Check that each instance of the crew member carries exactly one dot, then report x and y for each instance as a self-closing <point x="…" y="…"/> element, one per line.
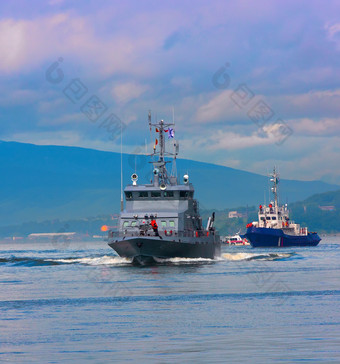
<point x="154" y="227"/>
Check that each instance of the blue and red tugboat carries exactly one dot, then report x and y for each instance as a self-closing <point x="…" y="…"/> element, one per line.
<point x="274" y="228"/>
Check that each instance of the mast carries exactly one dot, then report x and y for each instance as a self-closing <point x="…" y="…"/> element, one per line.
<point x="160" y="172"/>
<point x="121" y="168"/>
<point x="161" y="141"/>
<point x="275" y="180"/>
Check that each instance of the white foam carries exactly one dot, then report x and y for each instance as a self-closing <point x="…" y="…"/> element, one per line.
<point x="237" y="256"/>
<point x="104" y="260"/>
<point x="179" y="260"/>
<point x="258" y="256"/>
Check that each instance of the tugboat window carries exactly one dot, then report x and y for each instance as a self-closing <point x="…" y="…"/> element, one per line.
<point x="155" y="194"/>
<point x="268" y="217"/>
<point x="168" y="193"/>
<point x="274" y="218"/>
<point x="134" y="223"/>
<point x="163" y="223"/>
<point x="172" y="223"/>
<point x="183" y="194"/>
<point x="143" y="194"/>
<point x="128" y="195"/>
<point x="126" y="223"/>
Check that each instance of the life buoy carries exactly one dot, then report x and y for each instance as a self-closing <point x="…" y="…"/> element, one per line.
<point x="168" y="233"/>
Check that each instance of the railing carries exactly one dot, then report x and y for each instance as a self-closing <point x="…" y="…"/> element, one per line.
<point x="165" y="233"/>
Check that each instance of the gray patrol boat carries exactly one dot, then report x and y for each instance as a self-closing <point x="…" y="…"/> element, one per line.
<point x="161" y="219"/>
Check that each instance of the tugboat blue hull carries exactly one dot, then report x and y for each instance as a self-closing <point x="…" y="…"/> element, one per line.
<point x="144" y="249"/>
<point x="266" y="237"/>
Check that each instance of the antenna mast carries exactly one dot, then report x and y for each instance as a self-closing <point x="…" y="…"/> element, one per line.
<point x="160" y="170"/>
<point x="121" y="168"/>
<point x="275" y="179"/>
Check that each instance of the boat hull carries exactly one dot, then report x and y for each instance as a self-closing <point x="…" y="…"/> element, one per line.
<point x="145" y="249"/>
<point x="265" y="237"/>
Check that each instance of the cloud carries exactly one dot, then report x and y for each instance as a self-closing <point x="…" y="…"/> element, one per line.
<point x="70" y="119"/>
<point x="333" y="33"/>
<point x="10" y="97"/>
<point x="56" y="2"/>
<point x="137" y="56"/>
<point x="218" y="140"/>
<point x="73" y="37"/>
<point x="319" y="128"/>
<point x="128" y="91"/>
<point x="321" y="159"/>
<point x="16" y="38"/>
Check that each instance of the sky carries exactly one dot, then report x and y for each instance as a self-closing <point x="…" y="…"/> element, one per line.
<point x="252" y="83"/>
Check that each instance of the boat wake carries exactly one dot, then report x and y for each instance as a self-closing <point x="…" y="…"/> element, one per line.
<point x="256" y="256"/>
<point x="109" y="260"/>
<point x="180" y="261"/>
<point x="35" y="261"/>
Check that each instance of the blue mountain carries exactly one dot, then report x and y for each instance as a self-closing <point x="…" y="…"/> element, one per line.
<point x="48" y="182"/>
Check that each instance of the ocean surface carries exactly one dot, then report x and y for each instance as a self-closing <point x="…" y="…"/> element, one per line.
<point x="76" y="302"/>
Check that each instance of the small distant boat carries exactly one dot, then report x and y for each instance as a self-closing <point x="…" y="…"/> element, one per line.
<point x="274" y="228"/>
<point x="235" y="240"/>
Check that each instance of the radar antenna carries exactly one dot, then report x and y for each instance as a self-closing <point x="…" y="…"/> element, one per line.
<point x="160" y="170"/>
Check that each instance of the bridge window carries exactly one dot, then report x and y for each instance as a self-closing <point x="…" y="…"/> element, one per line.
<point x="163" y="223"/>
<point x="268" y="217"/>
<point x="172" y="223"/>
<point x="155" y="194"/>
<point x="133" y="223"/>
<point x="183" y="194"/>
<point x="125" y="224"/>
<point x="274" y="218"/>
<point x="128" y="195"/>
<point x="168" y="193"/>
<point x="143" y="194"/>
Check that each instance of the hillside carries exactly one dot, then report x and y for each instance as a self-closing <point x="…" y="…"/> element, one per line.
<point x="49" y="182"/>
<point x="309" y="213"/>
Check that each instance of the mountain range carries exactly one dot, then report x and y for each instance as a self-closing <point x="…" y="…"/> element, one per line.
<point x="48" y="182"/>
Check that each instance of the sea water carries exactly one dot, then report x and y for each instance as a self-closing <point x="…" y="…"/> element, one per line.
<point x="77" y="302"/>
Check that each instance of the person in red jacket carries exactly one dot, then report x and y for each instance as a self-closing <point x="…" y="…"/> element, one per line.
<point x="154" y="227"/>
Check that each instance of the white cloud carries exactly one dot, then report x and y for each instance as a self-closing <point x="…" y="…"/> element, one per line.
<point x="318" y="128"/>
<point x="220" y="107"/>
<point x="314" y="158"/>
<point x="64" y="119"/>
<point x="218" y="140"/>
<point x="333" y="33"/>
<point x="30" y="43"/>
<point x="314" y="104"/>
<point x="128" y="91"/>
